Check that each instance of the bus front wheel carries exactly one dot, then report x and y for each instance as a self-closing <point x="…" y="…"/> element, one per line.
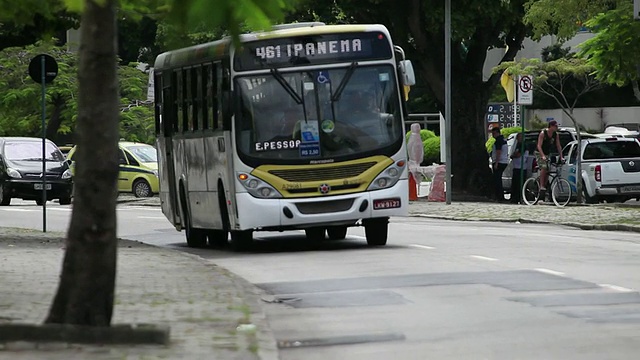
<point x="241" y="240"/>
<point x="337" y="232"/>
<point x="375" y="230"/>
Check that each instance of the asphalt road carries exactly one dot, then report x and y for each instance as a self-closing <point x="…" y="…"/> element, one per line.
<point x="439" y="290"/>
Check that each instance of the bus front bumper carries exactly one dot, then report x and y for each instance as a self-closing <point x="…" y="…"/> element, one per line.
<point x="298" y="213"/>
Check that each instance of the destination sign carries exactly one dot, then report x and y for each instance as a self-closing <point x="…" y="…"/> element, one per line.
<point x="311" y="50"/>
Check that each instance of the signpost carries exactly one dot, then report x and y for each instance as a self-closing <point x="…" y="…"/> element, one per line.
<point x="43" y="69"/>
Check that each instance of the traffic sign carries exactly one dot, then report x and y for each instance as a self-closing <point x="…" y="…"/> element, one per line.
<point x="525" y="90"/>
<point x="50" y="68"/>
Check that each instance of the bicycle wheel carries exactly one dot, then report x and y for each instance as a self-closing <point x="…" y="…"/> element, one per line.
<point x="561" y="192"/>
<point x="531" y="191"/>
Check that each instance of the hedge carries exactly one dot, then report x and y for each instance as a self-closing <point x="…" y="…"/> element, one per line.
<point x="505" y="132"/>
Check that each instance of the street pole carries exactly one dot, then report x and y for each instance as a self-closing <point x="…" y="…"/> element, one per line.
<point x="44" y="155"/>
<point x="447" y="98"/>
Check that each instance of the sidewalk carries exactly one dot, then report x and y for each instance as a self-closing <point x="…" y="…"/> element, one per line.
<point x="619" y="217"/>
<point x="204" y="305"/>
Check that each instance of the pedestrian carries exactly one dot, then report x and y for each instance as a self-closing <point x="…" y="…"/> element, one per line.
<point x="500" y="160"/>
<point x="519" y="162"/>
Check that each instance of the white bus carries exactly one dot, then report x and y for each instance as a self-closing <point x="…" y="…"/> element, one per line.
<point x="299" y="128"/>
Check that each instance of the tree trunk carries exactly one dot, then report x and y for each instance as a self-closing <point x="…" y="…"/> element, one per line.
<point x="86" y="291"/>
<point x="470" y="161"/>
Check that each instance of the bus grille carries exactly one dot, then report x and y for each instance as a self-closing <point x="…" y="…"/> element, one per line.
<point x="323" y="173"/>
<point x="323" y="207"/>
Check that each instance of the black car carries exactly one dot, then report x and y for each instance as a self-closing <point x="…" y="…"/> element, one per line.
<point x="21" y="171"/>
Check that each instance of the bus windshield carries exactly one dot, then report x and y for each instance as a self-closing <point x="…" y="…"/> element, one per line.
<point x="307" y="116"/>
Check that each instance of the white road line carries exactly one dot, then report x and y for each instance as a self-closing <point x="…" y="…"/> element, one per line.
<point x="616" y="288"/>
<point x="357" y="237"/>
<point x="151" y="217"/>
<point x="483" y="258"/>
<point x="422" y="246"/>
<point x="58" y="209"/>
<point x="549" y="271"/>
<point x="19" y="210"/>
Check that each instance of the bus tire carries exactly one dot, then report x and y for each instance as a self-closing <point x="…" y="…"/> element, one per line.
<point x="337" y="232"/>
<point x="218" y="238"/>
<point x="5" y="198"/>
<point x="241" y="240"/>
<point x="376" y="230"/>
<point x="196" y="238"/>
<point x="315" y="233"/>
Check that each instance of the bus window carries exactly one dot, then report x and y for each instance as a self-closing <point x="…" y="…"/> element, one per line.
<point x="216" y="119"/>
<point x="205" y="76"/>
<point x="196" y="95"/>
<point x="157" y="94"/>
<point x="179" y="102"/>
<point x="225" y="96"/>
<point x="188" y="105"/>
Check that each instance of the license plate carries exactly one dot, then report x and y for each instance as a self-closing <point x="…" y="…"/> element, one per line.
<point x="628" y="189"/>
<point x="39" y="186"/>
<point x="381" y="204"/>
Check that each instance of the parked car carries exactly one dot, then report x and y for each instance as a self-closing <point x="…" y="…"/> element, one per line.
<point x="138" y="169"/>
<point x="610" y="168"/>
<point x="530" y="142"/>
<point x="21" y="171"/>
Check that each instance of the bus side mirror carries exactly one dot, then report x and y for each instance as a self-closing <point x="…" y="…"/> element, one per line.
<point x="406" y="72"/>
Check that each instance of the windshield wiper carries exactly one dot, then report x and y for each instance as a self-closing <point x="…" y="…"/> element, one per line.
<point x="347" y="76"/>
<point x="291" y="91"/>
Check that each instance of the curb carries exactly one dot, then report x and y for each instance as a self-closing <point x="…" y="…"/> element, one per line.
<point x="114" y="334"/>
<point x="602" y="227"/>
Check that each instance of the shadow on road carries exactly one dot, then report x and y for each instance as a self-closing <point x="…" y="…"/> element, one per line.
<point x="281" y="243"/>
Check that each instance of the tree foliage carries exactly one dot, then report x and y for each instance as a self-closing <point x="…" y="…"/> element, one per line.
<point x="20" y="96"/>
<point x="562" y="18"/>
<point x="614" y="50"/>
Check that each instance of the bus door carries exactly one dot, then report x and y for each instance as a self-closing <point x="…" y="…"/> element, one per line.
<point x="166" y="169"/>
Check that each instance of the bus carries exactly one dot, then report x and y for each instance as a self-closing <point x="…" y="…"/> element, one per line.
<point x="297" y="128"/>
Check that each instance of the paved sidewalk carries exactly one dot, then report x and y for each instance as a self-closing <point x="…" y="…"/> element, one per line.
<point x="212" y="314"/>
<point x="588" y="217"/>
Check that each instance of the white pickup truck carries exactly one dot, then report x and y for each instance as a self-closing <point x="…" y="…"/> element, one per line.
<point x="610" y="168"/>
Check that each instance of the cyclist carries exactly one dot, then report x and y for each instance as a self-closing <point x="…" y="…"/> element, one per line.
<point x="547" y="140"/>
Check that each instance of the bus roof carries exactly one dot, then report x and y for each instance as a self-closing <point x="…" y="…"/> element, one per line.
<point x="221" y="48"/>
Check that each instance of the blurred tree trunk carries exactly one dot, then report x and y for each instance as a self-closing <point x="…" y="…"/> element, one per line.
<point x="86" y="291"/>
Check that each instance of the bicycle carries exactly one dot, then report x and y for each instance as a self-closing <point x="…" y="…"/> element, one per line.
<point x="560" y="187"/>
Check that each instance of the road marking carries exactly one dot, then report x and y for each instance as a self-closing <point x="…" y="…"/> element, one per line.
<point x="151" y="217"/>
<point x="59" y="209"/>
<point x="357" y="237"/>
<point x="19" y="210"/>
<point x="616" y="288"/>
<point x="549" y="271"/>
<point x="422" y="246"/>
<point x="483" y="258"/>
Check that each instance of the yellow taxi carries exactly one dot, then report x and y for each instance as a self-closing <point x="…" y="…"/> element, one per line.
<point x="138" y="168"/>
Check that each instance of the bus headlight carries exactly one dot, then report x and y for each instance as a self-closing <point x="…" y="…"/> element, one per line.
<point x="388" y="177"/>
<point x="66" y="174"/>
<point x="257" y="187"/>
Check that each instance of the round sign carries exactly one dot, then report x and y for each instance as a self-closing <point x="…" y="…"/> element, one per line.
<point x="50" y="68"/>
<point x="525" y="84"/>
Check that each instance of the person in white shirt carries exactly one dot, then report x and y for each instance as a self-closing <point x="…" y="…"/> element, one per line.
<point x="500" y="160"/>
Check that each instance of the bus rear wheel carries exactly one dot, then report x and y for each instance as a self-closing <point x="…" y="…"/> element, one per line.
<point x="196" y="238"/>
<point x="241" y="240"/>
<point x="218" y="238"/>
<point x="375" y="230"/>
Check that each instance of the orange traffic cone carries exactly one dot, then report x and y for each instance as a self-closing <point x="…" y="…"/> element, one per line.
<point x="413" y="188"/>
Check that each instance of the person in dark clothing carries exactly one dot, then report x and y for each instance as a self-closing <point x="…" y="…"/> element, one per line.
<point x="500" y="160"/>
<point x="548" y="140"/>
<point x="520" y="166"/>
